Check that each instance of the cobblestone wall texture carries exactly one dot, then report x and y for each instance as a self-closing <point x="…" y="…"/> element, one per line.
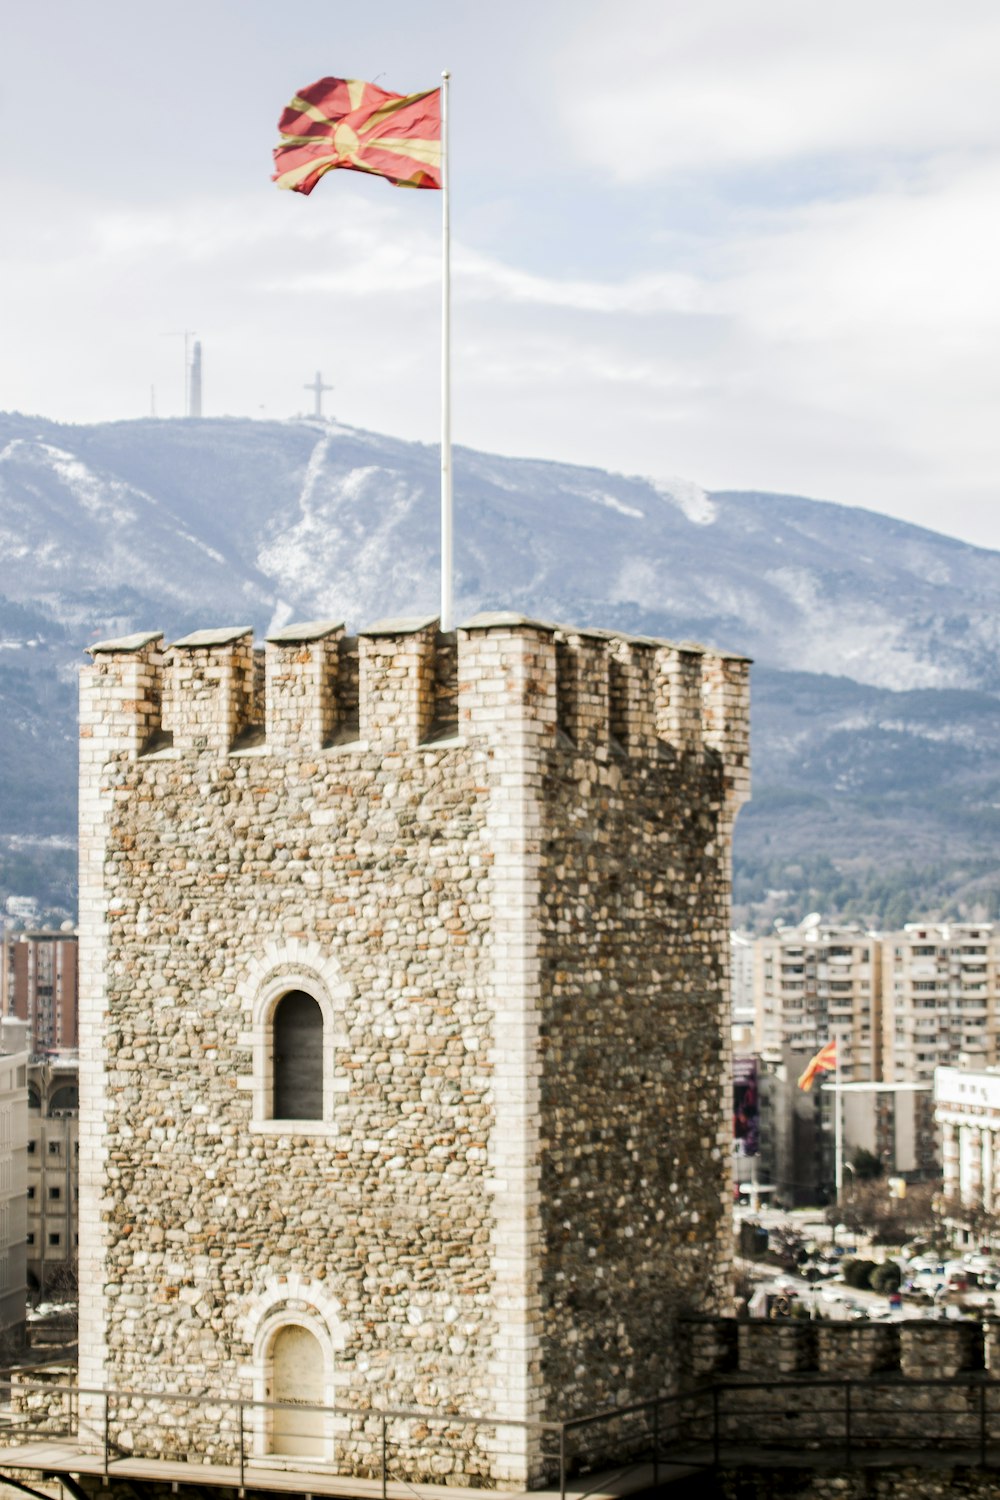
<point x="783" y="1385"/>
<point x="749" y="1482"/>
<point x="499" y="861"/>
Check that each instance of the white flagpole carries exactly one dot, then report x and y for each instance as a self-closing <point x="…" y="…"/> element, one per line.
<point x="446" y="507"/>
<point x="838" y="1128"/>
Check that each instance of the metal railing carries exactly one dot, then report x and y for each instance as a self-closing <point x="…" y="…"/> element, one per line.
<point x="843" y="1419"/>
<point x="825" y="1420"/>
<point x="203" y="1428"/>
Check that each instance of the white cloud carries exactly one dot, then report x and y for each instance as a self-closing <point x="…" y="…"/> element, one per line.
<point x="728" y="83"/>
<point x="824" y="329"/>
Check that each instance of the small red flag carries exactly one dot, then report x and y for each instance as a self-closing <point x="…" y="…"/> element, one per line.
<point x="824" y="1062"/>
<point x="341" y="122"/>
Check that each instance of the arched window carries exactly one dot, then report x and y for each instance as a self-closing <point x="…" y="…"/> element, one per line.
<point x="66" y="1097"/>
<point x="298" y="1058"/>
<point x="296" y="999"/>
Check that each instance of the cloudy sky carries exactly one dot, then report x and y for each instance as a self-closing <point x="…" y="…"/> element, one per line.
<point x="749" y="242"/>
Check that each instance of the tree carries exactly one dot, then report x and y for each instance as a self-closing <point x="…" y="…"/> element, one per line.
<point x="890" y="1221"/>
<point x="866" y="1165"/>
<point x="886" y="1278"/>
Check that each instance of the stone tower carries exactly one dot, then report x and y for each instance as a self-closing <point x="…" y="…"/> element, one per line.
<point x="403" y="1028"/>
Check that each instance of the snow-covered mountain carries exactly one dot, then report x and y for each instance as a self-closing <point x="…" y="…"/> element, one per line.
<point x="179" y="524"/>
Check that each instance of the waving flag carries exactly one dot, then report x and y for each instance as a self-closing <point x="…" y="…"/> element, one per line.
<point x="341" y="122"/>
<point x="824" y="1062"/>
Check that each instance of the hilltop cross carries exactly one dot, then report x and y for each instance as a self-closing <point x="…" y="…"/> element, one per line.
<point x="317" y="387"/>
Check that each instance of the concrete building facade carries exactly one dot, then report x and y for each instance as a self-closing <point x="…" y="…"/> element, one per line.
<point x="816" y="981"/>
<point x="38" y="984"/>
<point x="941" y="983"/>
<point x="967" y="1111"/>
<point x="405" y="1025"/>
<point x="53" y="1174"/>
<point x="13" y="1183"/>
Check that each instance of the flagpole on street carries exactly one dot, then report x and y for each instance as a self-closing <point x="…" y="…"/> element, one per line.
<point x="446" y="506"/>
<point x="838" y="1129"/>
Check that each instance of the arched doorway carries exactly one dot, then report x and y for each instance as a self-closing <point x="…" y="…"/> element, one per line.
<point x="297" y="1377"/>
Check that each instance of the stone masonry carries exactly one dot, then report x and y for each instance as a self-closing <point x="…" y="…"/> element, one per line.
<point x="499" y="862"/>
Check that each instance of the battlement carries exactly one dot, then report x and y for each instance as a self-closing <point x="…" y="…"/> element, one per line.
<point x="757" y="1349"/>
<point x="400" y="684"/>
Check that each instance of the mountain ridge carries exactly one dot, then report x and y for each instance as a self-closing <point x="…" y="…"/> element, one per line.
<point x="178" y="524"/>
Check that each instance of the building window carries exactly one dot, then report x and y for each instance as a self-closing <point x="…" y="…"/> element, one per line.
<point x="54" y="1239"/>
<point x="30" y="1237"/>
<point x="298" y="1058"/>
<point x="298" y="1010"/>
<point x="54" y="1148"/>
<point x="31" y="1191"/>
<point x="55" y="1192"/>
<point x="31" y="1147"/>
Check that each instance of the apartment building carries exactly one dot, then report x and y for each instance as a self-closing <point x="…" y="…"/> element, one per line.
<point x="741" y="971"/>
<point x="13" y="1143"/>
<point x="53" y="1175"/>
<point x="38" y="984"/>
<point x="941" y="998"/>
<point x="815" y="981"/>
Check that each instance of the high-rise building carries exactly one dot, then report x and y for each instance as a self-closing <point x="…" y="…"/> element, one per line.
<point x="38" y="984"/>
<point x="815" y="982"/>
<point x="941" y="998"/>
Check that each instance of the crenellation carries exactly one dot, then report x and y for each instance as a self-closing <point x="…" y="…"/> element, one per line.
<point x="208" y="689"/>
<point x="397" y="682"/>
<point x="678" y="697"/>
<point x="726" y="717"/>
<point x="400" y="683"/>
<point x="121" y="694"/>
<point x="583" y="688"/>
<point x="507" y="676"/>
<point x="301" y="689"/>
<point x="632" y="675"/>
<point x="750" y="1349"/>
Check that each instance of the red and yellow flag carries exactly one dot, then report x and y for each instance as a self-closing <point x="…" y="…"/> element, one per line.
<point x="824" y="1062"/>
<point x="340" y="122"/>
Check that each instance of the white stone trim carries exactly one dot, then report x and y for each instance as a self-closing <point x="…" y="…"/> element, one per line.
<point x="506" y="671"/>
<point x="295" y="965"/>
<point x="291" y="1300"/>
